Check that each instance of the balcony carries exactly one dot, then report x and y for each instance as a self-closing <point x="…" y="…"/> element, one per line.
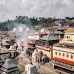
<point x="66" y="49"/>
<point x="64" y="41"/>
<point x="46" y="48"/>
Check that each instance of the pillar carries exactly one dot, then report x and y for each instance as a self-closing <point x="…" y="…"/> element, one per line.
<point x="53" y="66"/>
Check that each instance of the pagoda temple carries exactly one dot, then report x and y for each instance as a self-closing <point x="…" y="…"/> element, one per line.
<point x="9" y="67"/>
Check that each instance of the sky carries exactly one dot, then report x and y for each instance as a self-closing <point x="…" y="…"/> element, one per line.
<point x="9" y="9"/>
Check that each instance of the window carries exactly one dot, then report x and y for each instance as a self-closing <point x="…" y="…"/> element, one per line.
<point x="59" y="53"/>
<point x="63" y="54"/>
<point x="67" y="36"/>
<point x="56" y="53"/>
<point x="71" y="56"/>
<point x="41" y="35"/>
<point x="67" y="55"/>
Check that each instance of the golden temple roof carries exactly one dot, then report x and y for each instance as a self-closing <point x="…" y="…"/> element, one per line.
<point x="70" y="30"/>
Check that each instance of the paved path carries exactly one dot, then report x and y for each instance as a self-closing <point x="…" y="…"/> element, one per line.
<point x="44" y="69"/>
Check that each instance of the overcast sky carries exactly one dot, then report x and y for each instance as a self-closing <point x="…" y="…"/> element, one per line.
<point x="45" y="8"/>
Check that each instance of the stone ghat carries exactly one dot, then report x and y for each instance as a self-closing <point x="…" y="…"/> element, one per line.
<point x="23" y="60"/>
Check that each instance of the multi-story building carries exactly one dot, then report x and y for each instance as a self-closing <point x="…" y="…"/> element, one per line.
<point x="45" y="45"/>
<point x="63" y="52"/>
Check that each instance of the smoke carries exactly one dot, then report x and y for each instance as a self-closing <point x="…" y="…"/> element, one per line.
<point x="22" y="32"/>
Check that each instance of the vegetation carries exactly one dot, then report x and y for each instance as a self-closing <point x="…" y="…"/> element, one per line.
<point x="7" y="35"/>
<point x="38" y="22"/>
<point x="29" y="21"/>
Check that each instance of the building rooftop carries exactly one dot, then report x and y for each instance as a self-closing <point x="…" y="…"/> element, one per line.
<point x="49" y="37"/>
<point x="70" y="30"/>
<point x="64" y="61"/>
<point x="58" y="32"/>
<point x="9" y="67"/>
<point x="47" y="32"/>
<point x="51" y="28"/>
<point x="4" y="44"/>
<point x="60" y="29"/>
<point x="9" y="64"/>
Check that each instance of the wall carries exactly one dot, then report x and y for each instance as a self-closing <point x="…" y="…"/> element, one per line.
<point x="63" y="53"/>
<point x="48" y="54"/>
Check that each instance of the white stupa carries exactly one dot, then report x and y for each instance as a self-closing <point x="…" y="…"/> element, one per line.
<point x="27" y="29"/>
<point x="14" y="30"/>
<point x="20" y="29"/>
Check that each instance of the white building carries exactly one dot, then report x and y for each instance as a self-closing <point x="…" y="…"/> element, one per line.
<point x="34" y="55"/>
<point x="30" y="69"/>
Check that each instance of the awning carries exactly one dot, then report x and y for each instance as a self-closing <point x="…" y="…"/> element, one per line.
<point x="63" y="61"/>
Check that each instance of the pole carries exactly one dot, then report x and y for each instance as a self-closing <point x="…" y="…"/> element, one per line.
<point x="1" y="42"/>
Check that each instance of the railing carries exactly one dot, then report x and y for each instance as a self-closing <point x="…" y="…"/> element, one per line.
<point x="63" y="49"/>
<point x="43" y="47"/>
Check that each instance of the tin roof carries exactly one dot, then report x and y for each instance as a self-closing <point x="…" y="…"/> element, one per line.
<point x="58" y="32"/>
<point x="49" y="37"/>
<point x="59" y="29"/>
<point x="63" y="61"/>
<point x="51" y="28"/>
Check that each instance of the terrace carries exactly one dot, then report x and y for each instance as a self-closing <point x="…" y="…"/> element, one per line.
<point x="43" y="47"/>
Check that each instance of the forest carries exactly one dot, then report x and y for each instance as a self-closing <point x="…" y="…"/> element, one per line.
<point x="35" y="22"/>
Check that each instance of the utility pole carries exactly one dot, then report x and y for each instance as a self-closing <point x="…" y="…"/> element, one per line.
<point x="1" y="42"/>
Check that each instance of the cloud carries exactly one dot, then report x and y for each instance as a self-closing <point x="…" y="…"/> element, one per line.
<point x="46" y="8"/>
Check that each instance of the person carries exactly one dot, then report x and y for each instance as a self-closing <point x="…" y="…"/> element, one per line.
<point x="30" y="60"/>
<point x="38" y="65"/>
<point x="60" y="73"/>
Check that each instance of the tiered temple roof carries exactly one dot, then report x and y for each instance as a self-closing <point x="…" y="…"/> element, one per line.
<point x="49" y="38"/>
<point x="9" y="67"/>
